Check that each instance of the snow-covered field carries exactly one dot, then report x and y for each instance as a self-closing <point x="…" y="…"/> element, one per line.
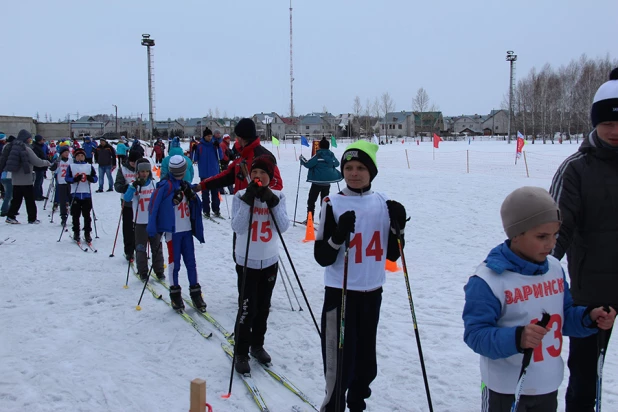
<point x="71" y="339"/>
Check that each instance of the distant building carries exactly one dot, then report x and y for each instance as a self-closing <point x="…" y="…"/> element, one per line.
<point x="272" y="120"/>
<point x="397" y="124"/>
<point x="317" y="123"/>
<point x="495" y="123"/>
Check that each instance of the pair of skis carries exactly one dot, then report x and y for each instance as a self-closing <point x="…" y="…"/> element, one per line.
<point x="81" y="244"/>
<point x="248" y="380"/>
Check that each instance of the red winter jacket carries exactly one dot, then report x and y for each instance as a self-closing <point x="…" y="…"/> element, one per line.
<point x="233" y="172"/>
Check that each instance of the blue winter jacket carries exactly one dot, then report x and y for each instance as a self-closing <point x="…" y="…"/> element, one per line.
<point x="322" y="168"/>
<point x="206" y="158"/>
<point x="161" y="210"/>
<point x="165" y="165"/>
<point x="121" y="149"/>
<point x="482" y="308"/>
<point x="89" y="147"/>
<point x="128" y="195"/>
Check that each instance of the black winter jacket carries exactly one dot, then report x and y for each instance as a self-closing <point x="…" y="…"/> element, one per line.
<point x="105" y="155"/>
<point x="586" y="190"/>
<point x="38" y="151"/>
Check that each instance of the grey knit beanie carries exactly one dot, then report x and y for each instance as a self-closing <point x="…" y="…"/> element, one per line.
<point x="526" y="208"/>
<point x="177" y="166"/>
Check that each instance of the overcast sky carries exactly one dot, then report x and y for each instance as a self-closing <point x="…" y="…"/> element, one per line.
<point x="69" y="56"/>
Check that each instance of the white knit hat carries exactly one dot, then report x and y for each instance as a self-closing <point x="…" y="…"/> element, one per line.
<point x="605" y="102"/>
<point x="178" y="166"/>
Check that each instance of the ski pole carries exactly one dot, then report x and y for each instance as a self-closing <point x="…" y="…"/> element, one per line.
<point x="418" y="337"/>
<point x="49" y="188"/>
<point x="344" y="298"/>
<point x="74" y="195"/>
<point x="602" y="342"/>
<point x="315" y="322"/>
<point x="300" y="308"/>
<point x="126" y="284"/>
<point x="297" y="189"/>
<point x="524" y="365"/>
<point x="117" y="228"/>
<point x="286" y="288"/>
<point x="94" y="215"/>
<point x="138" y="307"/>
<point x="242" y="298"/>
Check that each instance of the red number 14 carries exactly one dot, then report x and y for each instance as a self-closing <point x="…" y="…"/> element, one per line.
<point x="374" y="248"/>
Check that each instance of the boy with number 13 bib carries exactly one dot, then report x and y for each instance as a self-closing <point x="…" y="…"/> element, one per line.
<point x="508" y="294"/>
<point x="367" y="219"/>
<point x="262" y="266"/>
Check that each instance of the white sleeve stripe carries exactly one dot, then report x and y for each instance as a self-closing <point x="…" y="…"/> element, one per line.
<point x="557" y="183"/>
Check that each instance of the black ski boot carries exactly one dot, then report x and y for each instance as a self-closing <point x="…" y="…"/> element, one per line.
<point x="143" y="276"/>
<point x="76" y="236"/>
<point x="176" y="298"/>
<point x="63" y="221"/>
<point x="196" y="296"/>
<point x="87" y="237"/>
<point x="260" y="354"/>
<point x="161" y="276"/>
<point x="242" y="365"/>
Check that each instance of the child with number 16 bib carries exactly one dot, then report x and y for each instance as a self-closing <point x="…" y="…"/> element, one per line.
<point x="261" y="261"/>
<point x="176" y="211"/>
<point x="368" y="219"/>
<point x="508" y="294"/>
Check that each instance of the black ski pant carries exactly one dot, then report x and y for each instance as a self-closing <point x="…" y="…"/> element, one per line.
<point x="314" y="191"/>
<point x="499" y="402"/>
<point x="141" y="246"/>
<point x="81" y="207"/>
<point x="128" y="237"/>
<point x="360" y="365"/>
<point x="254" y="308"/>
<point x="23" y="193"/>
<point x="581" y="394"/>
<point x="63" y="197"/>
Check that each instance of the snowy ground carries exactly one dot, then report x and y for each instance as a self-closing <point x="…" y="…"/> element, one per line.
<point x="72" y="340"/>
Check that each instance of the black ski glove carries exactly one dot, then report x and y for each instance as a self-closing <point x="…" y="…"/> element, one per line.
<point x="345" y="226"/>
<point x="77" y="177"/>
<point x="267" y="196"/>
<point x="250" y="194"/>
<point x="215" y="143"/>
<point x="397" y="213"/>
<point x="186" y="189"/>
<point x="90" y="178"/>
<point x="138" y="182"/>
<point x="177" y="199"/>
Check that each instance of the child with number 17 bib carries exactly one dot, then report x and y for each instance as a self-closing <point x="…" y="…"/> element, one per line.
<point x="138" y="194"/>
<point x="367" y="219"/>
<point x="257" y="269"/>
<point x="508" y="294"/>
<point x="175" y="210"/>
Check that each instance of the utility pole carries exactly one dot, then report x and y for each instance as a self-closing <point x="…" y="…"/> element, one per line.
<point x="116" y="107"/>
<point x="291" y="68"/>
<point x="511" y="57"/>
<point x="148" y="42"/>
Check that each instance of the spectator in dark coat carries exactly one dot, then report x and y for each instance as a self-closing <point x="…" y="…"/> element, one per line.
<point x="39" y="172"/>
<point x="5" y="179"/>
<point x="586" y="190"/>
<point x="105" y="156"/>
<point x="19" y="160"/>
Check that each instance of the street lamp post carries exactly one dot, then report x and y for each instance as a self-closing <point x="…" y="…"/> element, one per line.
<point x="116" y="107"/>
<point x="148" y="42"/>
<point x="511" y="57"/>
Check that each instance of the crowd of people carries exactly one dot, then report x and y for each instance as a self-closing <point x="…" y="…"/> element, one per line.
<point x="518" y="304"/>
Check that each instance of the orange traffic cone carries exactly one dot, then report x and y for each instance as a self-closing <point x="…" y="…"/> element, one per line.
<point x="309" y="233"/>
<point x="391" y="266"/>
<point x="158" y="169"/>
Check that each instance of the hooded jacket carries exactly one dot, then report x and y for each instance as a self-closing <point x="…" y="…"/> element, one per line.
<point x="89" y="147"/>
<point x="39" y="151"/>
<point x="105" y="155"/>
<point x="234" y="175"/>
<point x="207" y="157"/>
<point x="161" y="210"/>
<point x="19" y="159"/>
<point x="165" y="165"/>
<point x="585" y="187"/>
<point x="322" y="168"/>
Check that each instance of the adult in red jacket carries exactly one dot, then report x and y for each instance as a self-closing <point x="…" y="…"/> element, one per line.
<point x="250" y="148"/>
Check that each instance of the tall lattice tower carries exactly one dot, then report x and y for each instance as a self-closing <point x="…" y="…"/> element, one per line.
<point x="291" y="67"/>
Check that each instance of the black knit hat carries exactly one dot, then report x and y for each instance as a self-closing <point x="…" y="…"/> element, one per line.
<point x="324" y="144"/>
<point x="266" y="163"/>
<point x="245" y="129"/>
<point x="605" y="102"/>
<point x="207" y="132"/>
<point x="78" y="152"/>
<point x="134" y="155"/>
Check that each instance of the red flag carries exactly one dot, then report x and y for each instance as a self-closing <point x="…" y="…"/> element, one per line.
<point x="436" y="141"/>
<point x="402" y="141"/>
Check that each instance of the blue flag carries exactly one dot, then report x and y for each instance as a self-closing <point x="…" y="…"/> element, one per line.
<point x="303" y="141"/>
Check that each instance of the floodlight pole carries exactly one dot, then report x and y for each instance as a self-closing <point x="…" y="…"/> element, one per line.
<point x="511" y="57"/>
<point x="148" y="42"/>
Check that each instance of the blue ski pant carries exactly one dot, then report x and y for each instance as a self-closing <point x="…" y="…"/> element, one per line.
<point x="181" y="244"/>
<point x="206" y="195"/>
<point x="63" y="197"/>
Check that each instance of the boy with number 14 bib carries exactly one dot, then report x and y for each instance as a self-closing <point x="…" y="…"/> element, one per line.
<point x="508" y="294"/>
<point x="367" y="219"/>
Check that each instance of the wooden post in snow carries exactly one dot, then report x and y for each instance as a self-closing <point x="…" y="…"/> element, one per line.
<point x="198" y="395"/>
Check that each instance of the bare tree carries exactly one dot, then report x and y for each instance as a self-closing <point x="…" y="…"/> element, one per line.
<point x="420" y="103"/>
<point x="216" y="112"/>
<point x="376" y="111"/>
<point x="387" y="105"/>
<point x="367" y="115"/>
<point x="210" y="113"/>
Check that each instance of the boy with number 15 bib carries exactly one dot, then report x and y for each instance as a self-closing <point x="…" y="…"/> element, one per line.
<point x="506" y="298"/>
<point x="367" y="219"/>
